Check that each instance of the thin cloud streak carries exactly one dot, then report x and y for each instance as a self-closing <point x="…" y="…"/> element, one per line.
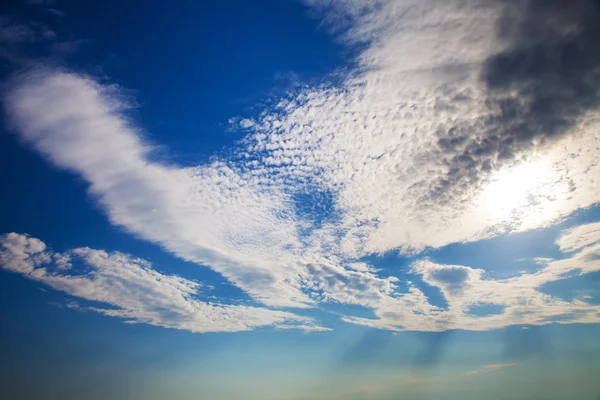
<point x="489" y="368"/>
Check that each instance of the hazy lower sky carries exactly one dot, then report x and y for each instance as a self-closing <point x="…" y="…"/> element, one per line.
<point x="297" y="200"/>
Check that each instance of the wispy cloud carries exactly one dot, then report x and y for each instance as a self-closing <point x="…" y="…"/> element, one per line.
<point x="578" y="237"/>
<point x="12" y="32"/>
<point x="489" y="368"/>
<point x="217" y="215"/>
<point x="131" y="289"/>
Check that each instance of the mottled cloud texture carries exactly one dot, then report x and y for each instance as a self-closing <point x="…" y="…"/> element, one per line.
<point x="462" y="121"/>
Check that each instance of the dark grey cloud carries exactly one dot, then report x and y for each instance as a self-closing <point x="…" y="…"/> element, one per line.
<point x="547" y="77"/>
<point x="552" y="67"/>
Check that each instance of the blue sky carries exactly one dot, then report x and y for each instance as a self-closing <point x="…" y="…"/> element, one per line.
<point x="319" y="199"/>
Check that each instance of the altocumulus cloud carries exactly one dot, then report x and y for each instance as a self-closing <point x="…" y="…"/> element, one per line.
<point x="450" y="101"/>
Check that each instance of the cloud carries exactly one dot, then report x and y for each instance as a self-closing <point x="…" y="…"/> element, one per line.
<point x="578" y="237"/>
<point x="12" y="32"/>
<point x="210" y="214"/>
<point x="416" y="143"/>
<point x="28" y="42"/>
<point x="537" y="88"/>
<point x="228" y="216"/>
<point x="453" y="279"/>
<point x="440" y="135"/>
<point x="129" y="288"/>
<point x="489" y="368"/>
<point x="517" y="300"/>
<point x="246" y="123"/>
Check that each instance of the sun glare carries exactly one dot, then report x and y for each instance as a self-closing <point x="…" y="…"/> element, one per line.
<point x="517" y="187"/>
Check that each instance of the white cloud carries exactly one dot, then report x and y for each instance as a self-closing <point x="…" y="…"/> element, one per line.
<point x="519" y="298"/>
<point x="246" y="123"/>
<point x="580" y="236"/>
<point x="211" y="214"/>
<point x="428" y="142"/>
<point x="418" y="148"/>
<point x="489" y="368"/>
<point x="129" y="288"/>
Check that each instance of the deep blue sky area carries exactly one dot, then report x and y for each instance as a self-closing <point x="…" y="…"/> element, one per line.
<point x="201" y="63"/>
<point x="189" y="69"/>
<point x="297" y="292"/>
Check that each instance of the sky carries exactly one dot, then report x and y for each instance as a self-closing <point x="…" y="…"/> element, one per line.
<point x="300" y="199"/>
